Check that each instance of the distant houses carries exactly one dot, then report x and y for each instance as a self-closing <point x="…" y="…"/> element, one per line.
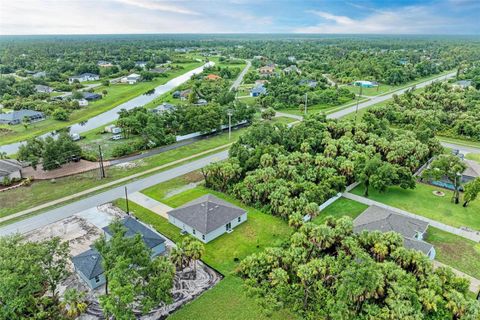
<point x="141" y="64"/>
<point x="309" y="83"/>
<point x="84" y="77"/>
<point x="375" y="218"/>
<point x="266" y="71"/>
<point x="40" y="74"/>
<point x="464" y="84"/>
<point x="292" y="69"/>
<point x="201" y="102"/>
<point x="40" y="88"/>
<point x="182" y="95"/>
<point x="212" y="77"/>
<point x="104" y="64"/>
<point x="131" y="79"/>
<point x="258" y="90"/>
<point x="88" y="265"/>
<point x="165" y="106"/>
<point x="207" y="217"/>
<point x="82" y="102"/>
<point x="18" y="116"/>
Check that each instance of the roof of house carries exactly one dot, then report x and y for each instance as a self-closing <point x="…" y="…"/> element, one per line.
<point x="89" y="263"/>
<point x="91" y="95"/>
<point x="212" y="77"/>
<point x="260" y="89"/>
<point x="41" y="87"/>
<point x="464" y="83"/>
<point x="472" y="170"/>
<point x="20" y="114"/>
<point x="134" y="76"/>
<point x="150" y="237"/>
<point x="8" y="166"/>
<point x="375" y="218"/>
<point x="207" y="213"/>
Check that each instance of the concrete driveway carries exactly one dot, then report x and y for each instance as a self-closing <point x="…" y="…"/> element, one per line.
<point x="149" y="203"/>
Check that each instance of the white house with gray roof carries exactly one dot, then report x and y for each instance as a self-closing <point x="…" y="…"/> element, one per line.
<point x="88" y="264"/>
<point x="207" y="217"/>
<point x="375" y="218"/>
<point x="17" y="116"/>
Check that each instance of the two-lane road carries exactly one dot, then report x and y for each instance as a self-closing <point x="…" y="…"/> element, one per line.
<point x="242" y="74"/>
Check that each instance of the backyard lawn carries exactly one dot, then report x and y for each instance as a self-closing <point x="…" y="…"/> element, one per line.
<point x="422" y="201"/>
<point x="455" y="251"/>
<point x="227" y="299"/>
<point x="341" y="208"/>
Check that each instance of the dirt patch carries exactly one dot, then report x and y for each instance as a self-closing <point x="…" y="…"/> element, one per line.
<point x="64" y="171"/>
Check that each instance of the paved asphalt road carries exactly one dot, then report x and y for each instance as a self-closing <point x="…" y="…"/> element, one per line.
<point x="463" y="149"/>
<point x="378" y="99"/>
<point x="239" y="79"/>
<point x="115" y="193"/>
<point x="107" y="196"/>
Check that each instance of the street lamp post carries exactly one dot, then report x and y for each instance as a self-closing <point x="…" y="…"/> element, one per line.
<point x="229" y="113"/>
<point x="126" y="200"/>
<point x="306" y="97"/>
<point x="358" y="101"/>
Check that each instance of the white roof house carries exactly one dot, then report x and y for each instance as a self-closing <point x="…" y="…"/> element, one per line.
<point x="132" y="78"/>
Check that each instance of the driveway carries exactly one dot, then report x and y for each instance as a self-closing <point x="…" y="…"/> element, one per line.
<point x="153" y="205"/>
<point x="239" y="79"/>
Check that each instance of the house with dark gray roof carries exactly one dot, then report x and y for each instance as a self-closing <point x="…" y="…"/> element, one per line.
<point x="43" y="89"/>
<point x="375" y="218"/>
<point x="12" y="169"/>
<point x="91" y="96"/>
<point x="88" y="264"/>
<point x="207" y="217"/>
<point x="17" y="116"/>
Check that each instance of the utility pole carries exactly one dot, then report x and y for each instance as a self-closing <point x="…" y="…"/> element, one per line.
<point x="229" y="113"/>
<point x="102" y="168"/>
<point x="306" y="97"/>
<point x="358" y="101"/>
<point x="126" y="199"/>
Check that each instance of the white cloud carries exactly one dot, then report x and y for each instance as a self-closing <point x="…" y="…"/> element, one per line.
<point x="157" y="5"/>
<point x="406" y="20"/>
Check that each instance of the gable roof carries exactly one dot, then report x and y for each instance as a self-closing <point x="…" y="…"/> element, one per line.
<point x="20" y="114"/>
<point x="376" y="218"/>
<point x="133" y="226"/>
<point x="207" y="213"/>
<point x="380" y="219"/>
<point x="89" y="263"/>
<point x="472" y="170"/>
<point x="212" y="77"/>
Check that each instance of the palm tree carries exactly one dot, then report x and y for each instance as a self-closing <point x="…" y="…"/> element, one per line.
<point x="177" y="256"/>
<point x="74" y="303"/>
<point x="195" y="250"/>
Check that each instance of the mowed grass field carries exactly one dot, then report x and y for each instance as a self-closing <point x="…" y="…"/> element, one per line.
<point x="228" y="299"/>
<point x="422" y="201"/>
<point x="117" y="94"/>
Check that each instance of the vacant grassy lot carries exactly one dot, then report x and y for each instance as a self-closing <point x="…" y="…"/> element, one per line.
<point x="462" y="142"/>
<point x="326" y="108"/>
<point x="117" y="94"/>
<point x="341" y="208"/>
<point x="422" y="201"/>
<point x="375" y="91"/>
<point x="455" y="251"/>
<point x="228" y="299"/>
<point x="473" y="156"/>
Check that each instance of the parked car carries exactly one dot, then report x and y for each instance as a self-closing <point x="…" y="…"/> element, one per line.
<point x="75" y="136"/>
<point x="117" y="137"/>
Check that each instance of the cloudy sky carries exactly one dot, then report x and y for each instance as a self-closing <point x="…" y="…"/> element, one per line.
<point x="239" y="16"/>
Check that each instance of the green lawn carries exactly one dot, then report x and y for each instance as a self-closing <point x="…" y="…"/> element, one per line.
<point x="473" y="156"/>
<point x="382" y="88"/>
<point x="227" y="299"/>
<point x="44" y="191"/>
<point x="462" y="142"/>
<point x="455" y="251"/>
<point x="117" y="94"/>
<point x="326" y="108"/>
<point x="341" y="208"/>
<point x="422" y="201"/>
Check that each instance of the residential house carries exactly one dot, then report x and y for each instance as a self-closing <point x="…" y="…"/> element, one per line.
<point x="266" y="70"/>
<point x="291" y="69"/>
<point x="104" y="64"/>
<point x="163" y="107"/>
<point x="91" y="96"/>
<point x="365" y="84"/>
<point x="257" y="91"/>
<point x="183" y="95"/>
<point x="16" y="117"/>
<point x="471" y="172"/>
<point x="309" y="83"/>
<point x="413" y="230"/>
<point x="212" y="77"/>
<point x="141" y="64"/>
<point x="160" y="70"/>
<point x="464" y="84"/>
<point x="84" y="77"/>
<point x="43" y="89"/>
<point x="132" y="78"/>
<point x="88" y="264"/>
<point x="113" y="129"/>
<point x="291" y="58"/>
<point x="207" y="217"/>
<point x="261" y="82"/>
<point x="258" y="57"/>
<point x="11" y="169"/>
<point x="40" y="74"/>
<point x="201" y="102"/>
